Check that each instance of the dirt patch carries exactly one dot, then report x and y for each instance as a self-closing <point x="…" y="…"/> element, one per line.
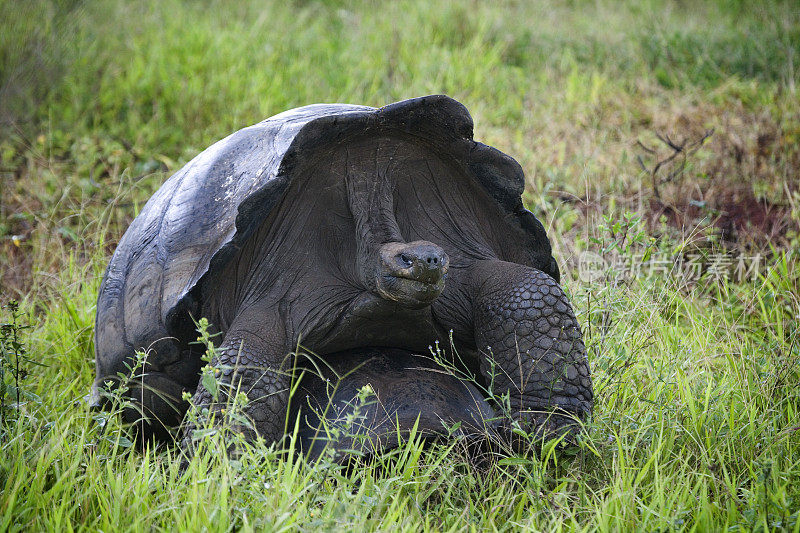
<point x="736" y="181"/>
<point x="739" y="218"/>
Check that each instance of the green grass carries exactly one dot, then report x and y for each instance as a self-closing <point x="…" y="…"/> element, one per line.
<point x="697" y="421"/>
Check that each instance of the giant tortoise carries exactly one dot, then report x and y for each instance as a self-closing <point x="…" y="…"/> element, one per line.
<point x="339" y="228"/>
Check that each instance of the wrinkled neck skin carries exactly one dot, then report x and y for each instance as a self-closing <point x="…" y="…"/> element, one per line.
<point x="372" y="206"/>
<point x="410" y="274"/>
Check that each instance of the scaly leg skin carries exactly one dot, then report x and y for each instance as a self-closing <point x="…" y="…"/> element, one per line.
<point x="525" y="325"/>
<point x="253" y="365"/>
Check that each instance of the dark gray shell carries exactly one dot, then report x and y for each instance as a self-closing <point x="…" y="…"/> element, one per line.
<point x="202" y="214"/>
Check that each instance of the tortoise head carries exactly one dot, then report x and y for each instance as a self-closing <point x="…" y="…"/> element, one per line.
<point x="411" y="273"/>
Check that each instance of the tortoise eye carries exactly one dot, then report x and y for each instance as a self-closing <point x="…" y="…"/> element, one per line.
<point x="405" y="260"/>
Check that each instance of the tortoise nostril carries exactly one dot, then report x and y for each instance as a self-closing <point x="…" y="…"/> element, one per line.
<point x="418" y="260"/>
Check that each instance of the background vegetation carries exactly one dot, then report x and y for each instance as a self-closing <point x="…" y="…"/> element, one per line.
<point x="605" y="104"/>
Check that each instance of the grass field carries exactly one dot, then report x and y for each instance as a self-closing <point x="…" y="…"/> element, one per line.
<point x="696" y="372"/>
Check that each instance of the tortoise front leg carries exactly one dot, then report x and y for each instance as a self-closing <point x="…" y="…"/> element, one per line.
<point x="251" y="360"/>
<point x="531" y="346"/>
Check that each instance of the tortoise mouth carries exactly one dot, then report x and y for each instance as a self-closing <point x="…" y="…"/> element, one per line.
<point x="408" y="291"/>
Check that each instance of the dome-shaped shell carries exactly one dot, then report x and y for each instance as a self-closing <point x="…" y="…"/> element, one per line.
<point x="204" y="213"/>
<point x="406" y="390"/>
